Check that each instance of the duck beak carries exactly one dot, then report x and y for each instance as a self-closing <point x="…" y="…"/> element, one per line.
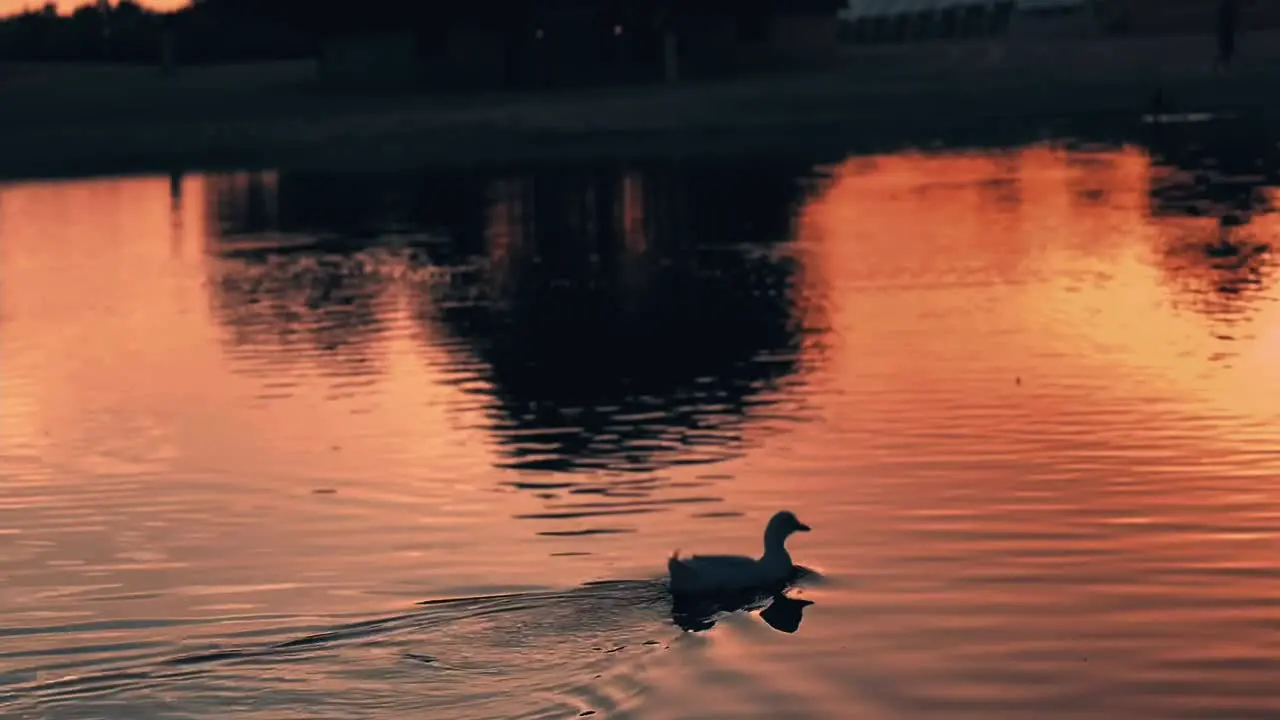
<point x="802" y="527"/>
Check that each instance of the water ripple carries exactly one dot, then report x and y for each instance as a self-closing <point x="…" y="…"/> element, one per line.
<point x="1025" y="398"/>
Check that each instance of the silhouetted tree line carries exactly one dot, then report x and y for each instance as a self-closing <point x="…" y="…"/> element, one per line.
<point x="321" y="19"/>
<point x="230" y="30"/>
<point x="128" y="32"/>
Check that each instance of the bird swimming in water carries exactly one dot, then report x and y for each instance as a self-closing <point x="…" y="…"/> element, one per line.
<point x="711" y="574"/>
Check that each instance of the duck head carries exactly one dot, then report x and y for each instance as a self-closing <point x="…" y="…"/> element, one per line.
<point x="787" y="523"/>
<point x="781" y="526"/>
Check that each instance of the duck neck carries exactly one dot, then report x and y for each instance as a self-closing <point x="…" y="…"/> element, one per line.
<point x="775" y="549"/>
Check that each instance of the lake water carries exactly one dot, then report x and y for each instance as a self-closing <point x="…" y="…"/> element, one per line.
<point x="1028" y="400"/>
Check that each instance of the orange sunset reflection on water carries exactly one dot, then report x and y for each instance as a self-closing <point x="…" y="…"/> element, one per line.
<point x="1026" y="398"/>
<point x="1047" y="453"/>
<point x="1061" y="253"/>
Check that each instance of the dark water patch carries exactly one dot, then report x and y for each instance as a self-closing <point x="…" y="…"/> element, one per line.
<point x="637" y="503"/>
<point x="210" y="657"/>
<point x="114" y="648"/>
<point x="576" y="514"/>
<point x="95" y="627"/>
<point x="586" y="532"/>
<point x="116" y="597"/>
<point x="540" y="485"/>
<point x="78" y="688"/>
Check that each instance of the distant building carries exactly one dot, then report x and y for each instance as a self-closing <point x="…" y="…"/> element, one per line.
<point x="1053" y="18"/>
<point x="895" y="21"/>
<point x="899" y="21"/>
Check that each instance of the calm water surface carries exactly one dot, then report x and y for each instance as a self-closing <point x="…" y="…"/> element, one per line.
<point x="1027" y="399"/>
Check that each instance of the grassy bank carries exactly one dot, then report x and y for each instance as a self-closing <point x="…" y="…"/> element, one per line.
<point x="82" y="120"/>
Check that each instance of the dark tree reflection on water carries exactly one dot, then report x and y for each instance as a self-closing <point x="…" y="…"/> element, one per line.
<point x="1212" y="200"/>
<point x="620" y="320"/>
<point x="622" y="339"/>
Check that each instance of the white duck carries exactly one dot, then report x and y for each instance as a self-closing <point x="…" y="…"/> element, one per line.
<point x="709" y="574"/>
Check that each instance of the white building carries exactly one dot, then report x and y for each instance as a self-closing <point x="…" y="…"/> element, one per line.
<point x="908" y="20"/>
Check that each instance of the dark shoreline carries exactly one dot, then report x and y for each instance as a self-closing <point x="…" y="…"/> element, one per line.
<point x="811" y="115"/>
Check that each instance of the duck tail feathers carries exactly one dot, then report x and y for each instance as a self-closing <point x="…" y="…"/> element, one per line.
<point x="674" y="566"/>
<point x="681" y="575"/>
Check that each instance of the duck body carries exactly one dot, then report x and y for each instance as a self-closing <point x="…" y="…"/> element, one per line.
<point x="730" y="574"/>
<point x="712" y="574"/>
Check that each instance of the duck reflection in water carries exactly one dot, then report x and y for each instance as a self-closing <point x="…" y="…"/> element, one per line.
<point x="779" y="610"/>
